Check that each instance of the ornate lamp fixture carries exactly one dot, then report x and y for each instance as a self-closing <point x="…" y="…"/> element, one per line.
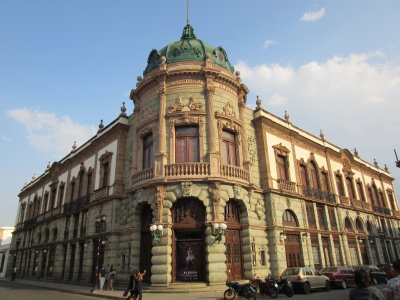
<point x="156" y="233"/>
<point x="218" y="230"/>
<point x="283" y="235"/>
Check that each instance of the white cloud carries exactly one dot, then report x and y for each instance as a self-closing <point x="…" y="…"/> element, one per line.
<point x="268" y="43"/>
<point x="353" y="99"/>
<point x="50" y="133"/>
<point x="5" y="138"/>
<point x="313" y="15"/>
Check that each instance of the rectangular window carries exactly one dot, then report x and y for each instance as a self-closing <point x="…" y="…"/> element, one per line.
<point x="360" y="191"/>
<point x="303" y="175"/>
<point x="310" y="215"/>
<point x="332" y="219"/>
<point x="45" y="202"/>
<point x="89" y="184"/>
<point x="321" y="217"/>
<point x="336" y="245"/>
<point x="53" y="198"/>
<point x="263" y="258"/>
<point x="106" y="174"/>
<point x="282" y="167"/>
<point x="61" y="195"/>
<point x="339" y="184"/>
<point x="325" y="182"/>
<point x="148" y="151"/>
<point x="187" y="144"/>
<point x="72" y="191"/>
<point x="391" y="200"/>
<point x="350" y="188"/>
<point x="229" y="153"/>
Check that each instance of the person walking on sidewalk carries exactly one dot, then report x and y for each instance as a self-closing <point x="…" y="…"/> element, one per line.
<point x="111" y="278"/>
<point x="135" y="285"/>
<point x="14" y="272"/>
<point x="102" y="277"/>
<point x="364" y="291"/>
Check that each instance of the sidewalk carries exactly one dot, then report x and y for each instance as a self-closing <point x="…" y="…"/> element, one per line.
<point x="117" y="294"/>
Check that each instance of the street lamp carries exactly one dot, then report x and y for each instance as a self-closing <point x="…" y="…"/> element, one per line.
<point x="283" y="235"/>
<point x="100" y="226"/>
<point x="156" y="233"/>
<point x="397" y="159"/>
<point x="219" y="231"/>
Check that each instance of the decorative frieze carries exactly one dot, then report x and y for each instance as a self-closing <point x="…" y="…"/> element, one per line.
<point x="186" y="188"/>
<point x="182" y="107"/>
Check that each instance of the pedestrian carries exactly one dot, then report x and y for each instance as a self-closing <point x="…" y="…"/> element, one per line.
<point x="14" y="272"/>
<point x="102" y="277"/>
<point x="393" y="286"/>
<point x="135" y="284"/>
<point x="111" y="277"/>
<point x="131" y="284"/>
<point x="364" y="291"/>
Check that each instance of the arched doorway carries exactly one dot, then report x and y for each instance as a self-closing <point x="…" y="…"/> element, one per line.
<point x="188" y="262"/>
<point x="146" y="217"/>
<point x="233" y="241"/>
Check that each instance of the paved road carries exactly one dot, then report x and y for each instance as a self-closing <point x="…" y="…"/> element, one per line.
<point x="18" y="291"/>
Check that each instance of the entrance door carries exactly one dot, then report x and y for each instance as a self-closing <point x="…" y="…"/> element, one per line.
<point x="146" y="242"/>
<point x="233" y="241"/>
<point x="294" y="255"/>
<point x="188" y="262"/>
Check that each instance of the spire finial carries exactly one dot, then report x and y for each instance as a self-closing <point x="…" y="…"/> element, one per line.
<point x="187" y="12"/>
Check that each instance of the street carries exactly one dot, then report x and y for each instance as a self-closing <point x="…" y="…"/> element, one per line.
<point x="19" y="291"/>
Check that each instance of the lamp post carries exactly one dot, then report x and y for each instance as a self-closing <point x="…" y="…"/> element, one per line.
<point x="218" y="231"/>
<point x="397" y="159"/>
<point x="100" y="226"/>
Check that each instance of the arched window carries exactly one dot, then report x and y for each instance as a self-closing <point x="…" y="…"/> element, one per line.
<point x="55" y="232"/>
<point x="314" y="176"/>
<point x="46" y="235"/>
<point x="289" y="219"/>
<point x="359" y="226"/>
<point x="303" y="175"/>
<point x="348" y="226"/>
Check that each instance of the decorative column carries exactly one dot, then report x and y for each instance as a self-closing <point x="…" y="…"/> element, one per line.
<point x="213" y="155"/>
<point x="161" y="156"/>
<point x="161" y="268"/>
<point x="215" y="250"/>
<point x="346" y="250"/>
<point x="242" y="106"/>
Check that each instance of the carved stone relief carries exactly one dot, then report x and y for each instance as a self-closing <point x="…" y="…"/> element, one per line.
<point x="186" y="188"/>
<point x="160" y="192"/>
<point x="237" y="190"/>
<point x="251" y="144"/>
<point x="182" y="107"/>
<point x="213" y="189"/>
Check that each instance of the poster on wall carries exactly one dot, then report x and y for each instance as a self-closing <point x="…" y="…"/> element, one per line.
<point x="189" y="261"/>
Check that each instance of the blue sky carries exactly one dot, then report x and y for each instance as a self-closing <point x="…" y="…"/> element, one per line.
<point x="64" y="65"/>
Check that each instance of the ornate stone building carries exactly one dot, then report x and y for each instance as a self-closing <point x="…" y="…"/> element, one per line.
<point x="195" y="186"/>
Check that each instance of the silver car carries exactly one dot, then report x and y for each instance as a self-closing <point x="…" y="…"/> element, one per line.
<point x="306" y="279"/>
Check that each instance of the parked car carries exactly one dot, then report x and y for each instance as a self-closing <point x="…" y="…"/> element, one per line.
<point x="376" y="275"/>
<point x="388" y="269"/>
<point x="306" y="279"/>
<point x="340" y="277"/>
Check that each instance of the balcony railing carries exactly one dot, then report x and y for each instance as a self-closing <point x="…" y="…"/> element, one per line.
<point x="318" y="194"/>
<point x="396" y="213"/>
<point x="287" y="186"/>
<point x="76" y="204"/>
<point x="235" y="172"/>
<point x="99" y="194"/>
<point x="29" y="223"/>
<point x="142" y="175"/>
<point x="356" y="203"/>
<point x="187" y="169"/>
<point x="380" y="209"/>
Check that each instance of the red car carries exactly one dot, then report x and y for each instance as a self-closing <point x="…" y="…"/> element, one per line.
<point x="340" y="277"/>
<point x="388" y="269"/>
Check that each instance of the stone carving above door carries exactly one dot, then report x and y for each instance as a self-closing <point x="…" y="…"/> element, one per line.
<point x="193" y="105"/>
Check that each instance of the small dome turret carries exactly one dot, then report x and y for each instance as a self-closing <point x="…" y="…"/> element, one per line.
<point x="188" y="48"/>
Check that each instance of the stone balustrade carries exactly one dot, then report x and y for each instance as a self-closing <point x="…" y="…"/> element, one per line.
<point x="187" y="169"/>
<point x="235" y="172"/>
<point x="142" y="175"/>
<point x="287" y="186"/>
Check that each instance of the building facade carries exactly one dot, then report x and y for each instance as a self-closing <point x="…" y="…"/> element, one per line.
<point x="194" y="186"/>
<point x="5" y="242"/>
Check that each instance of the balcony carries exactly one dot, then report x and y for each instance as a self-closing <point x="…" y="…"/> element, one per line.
<point x="356" y="203"/>
<point x="143" y="175"/>
<point x="287" y="186"/>
<point x="366" y="205"/>
<point x="76" y="204"/>
<point x="396" y="213"/>
<point x="187" y="169"/>
<point x="99" y="194"/>
<point x="235" y="172"/>
<point x="345" y="200"/>
<point x="381" y="210"/>
<point x="318" y="194"/>
<point x="29" y="223"/>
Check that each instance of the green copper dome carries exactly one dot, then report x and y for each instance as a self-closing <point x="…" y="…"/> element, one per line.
<point x="189" y="48"/>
